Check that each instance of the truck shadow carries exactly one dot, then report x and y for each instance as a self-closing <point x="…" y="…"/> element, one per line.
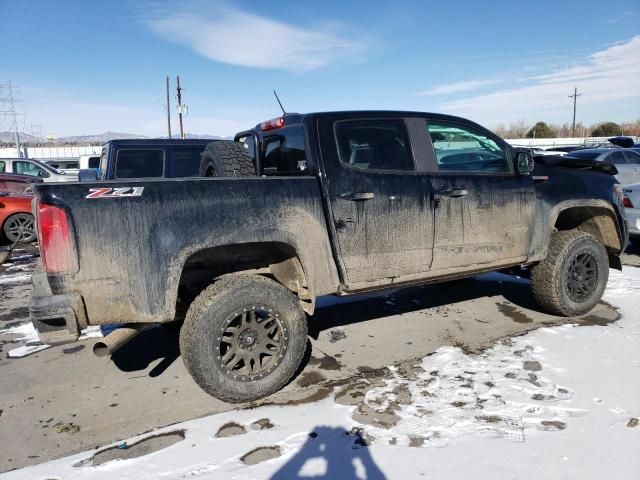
<point x="334" y="311"/>
<point x="162" y="342"/>
<point x="147" y="347"/>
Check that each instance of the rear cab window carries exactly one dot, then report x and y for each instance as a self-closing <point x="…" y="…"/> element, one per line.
<point x="139" y="163"/>
<point x="283" y="152"/>
<point x="374" y="144"/>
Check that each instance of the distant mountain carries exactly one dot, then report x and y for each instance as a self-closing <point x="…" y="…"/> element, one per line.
<point x="97" y="139"/>
<point x="10" y="137"/>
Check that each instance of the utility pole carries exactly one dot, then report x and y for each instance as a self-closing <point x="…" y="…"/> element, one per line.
<point x="181" y="108"/>
<point x="575" y="98"/>
<point x="168" y="110"/>
<point x="11" y="112"/>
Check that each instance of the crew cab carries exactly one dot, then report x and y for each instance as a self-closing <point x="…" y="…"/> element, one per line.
<point x="308" y="205"/>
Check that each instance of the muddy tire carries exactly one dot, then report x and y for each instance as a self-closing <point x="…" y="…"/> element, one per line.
<point x="226" y="159"/>
<point x="570" y="281"/>
<point x="244" y="338"/>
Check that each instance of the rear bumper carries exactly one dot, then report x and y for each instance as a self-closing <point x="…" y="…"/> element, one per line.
<point x="633" y="219"/>
<point x="56" y="318"/>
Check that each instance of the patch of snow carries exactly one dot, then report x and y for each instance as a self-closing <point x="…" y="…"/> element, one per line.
<point x="27" y="333"/>
<point x="558" y="402"/>
<point x="15" y="279"/>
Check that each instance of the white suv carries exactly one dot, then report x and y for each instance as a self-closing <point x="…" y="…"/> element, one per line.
<point x="28" y="166"/>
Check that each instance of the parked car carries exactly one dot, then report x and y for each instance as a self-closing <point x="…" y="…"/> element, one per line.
<point x="34" y="168"/>
<point x="632" y="208"/>
<point x="627" y="161"/>
<point x="326" y="203"/>
<point x="14" y="183"/>
<point x="148" y="158"/>
<point x="16" y="219"/>
<point x="564" y="149"/>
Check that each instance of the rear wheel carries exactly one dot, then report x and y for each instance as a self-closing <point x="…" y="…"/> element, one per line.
<point x="243" y="338"/>
<point x="571" y="279"/>
<point x="20" y="228"/>
<point x="226" y="159"/>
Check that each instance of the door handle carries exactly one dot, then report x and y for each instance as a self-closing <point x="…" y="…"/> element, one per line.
<point x="453" y="192"/>
<point x="357" y="196"/>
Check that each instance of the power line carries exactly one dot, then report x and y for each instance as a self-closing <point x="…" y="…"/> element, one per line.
<point x="10" y="111"/>
<point x="575" y="98"/>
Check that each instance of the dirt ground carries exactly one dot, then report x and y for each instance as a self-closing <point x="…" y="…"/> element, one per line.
<point x="64" y="400"/>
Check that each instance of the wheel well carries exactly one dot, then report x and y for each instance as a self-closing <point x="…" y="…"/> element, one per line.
<point x="276" y="260"/>
<point x="598" y="221"/>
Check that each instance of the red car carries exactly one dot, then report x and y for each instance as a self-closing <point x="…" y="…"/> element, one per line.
<point x="16" y="218"/>
<point x="15" y="183"/>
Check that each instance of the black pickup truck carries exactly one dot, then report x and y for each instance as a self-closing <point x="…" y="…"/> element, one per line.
<point x="309" y="205"/>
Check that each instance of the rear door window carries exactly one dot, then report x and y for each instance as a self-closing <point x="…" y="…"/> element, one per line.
<point x="3" y="167"/>
<point x="285" y="153"/>
<point x="139" y="163"/>
<point x="185" y="162"/>
<point x="374" y="144"/>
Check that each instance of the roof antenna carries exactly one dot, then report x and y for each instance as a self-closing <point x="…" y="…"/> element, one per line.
<point x="279" y="103"/>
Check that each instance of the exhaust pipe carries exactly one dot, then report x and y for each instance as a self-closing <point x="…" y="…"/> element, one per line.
<point x="116" y="339"/>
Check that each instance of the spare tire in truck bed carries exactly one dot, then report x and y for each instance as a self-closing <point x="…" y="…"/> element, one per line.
<point x="226" y="159"/>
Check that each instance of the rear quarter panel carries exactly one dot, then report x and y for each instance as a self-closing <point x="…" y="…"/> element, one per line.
<point x="131" y="250"/>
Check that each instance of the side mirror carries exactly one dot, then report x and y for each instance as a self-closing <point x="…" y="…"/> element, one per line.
<point x="87" y="175"/>
<point x="524" y="161"/>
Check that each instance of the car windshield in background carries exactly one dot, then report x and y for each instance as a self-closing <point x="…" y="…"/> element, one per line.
<point x="584" y="154"/>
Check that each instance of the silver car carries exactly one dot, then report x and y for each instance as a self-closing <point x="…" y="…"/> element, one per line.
<point x="34" y="168"/>
<point x="632" y="208"/>
<point x="626" y="160"/>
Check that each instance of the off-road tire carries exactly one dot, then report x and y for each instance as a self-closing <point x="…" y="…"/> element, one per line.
<point x="226" y="159"/>
<point x="548" y="278"/>
<point x="208" y="315"/>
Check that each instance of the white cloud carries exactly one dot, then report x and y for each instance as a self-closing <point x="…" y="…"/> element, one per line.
<point x="227" y="35"/>
<point x="459" y="87"/>
<point x="609" y="81"/>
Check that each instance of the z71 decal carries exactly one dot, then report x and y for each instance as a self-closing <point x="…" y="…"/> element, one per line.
<point x="117" y="192"/>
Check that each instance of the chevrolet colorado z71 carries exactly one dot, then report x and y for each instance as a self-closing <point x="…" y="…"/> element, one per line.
<point x="309" y="205"/>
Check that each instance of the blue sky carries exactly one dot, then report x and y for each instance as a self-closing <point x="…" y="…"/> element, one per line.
<point x="86" y="67"/>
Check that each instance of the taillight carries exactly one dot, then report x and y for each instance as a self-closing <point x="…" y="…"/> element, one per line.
<point x="627" y="202"/>
<point x="272" y="124"/>
<point x="54" y="236"/>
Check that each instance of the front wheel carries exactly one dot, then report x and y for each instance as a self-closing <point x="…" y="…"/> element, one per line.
<point x="243" y="338"/>
<point x="570" y="281"/>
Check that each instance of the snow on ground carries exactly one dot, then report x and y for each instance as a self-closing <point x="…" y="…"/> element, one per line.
<point x="560" y="402"/>
<point x="26" y="333"/>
